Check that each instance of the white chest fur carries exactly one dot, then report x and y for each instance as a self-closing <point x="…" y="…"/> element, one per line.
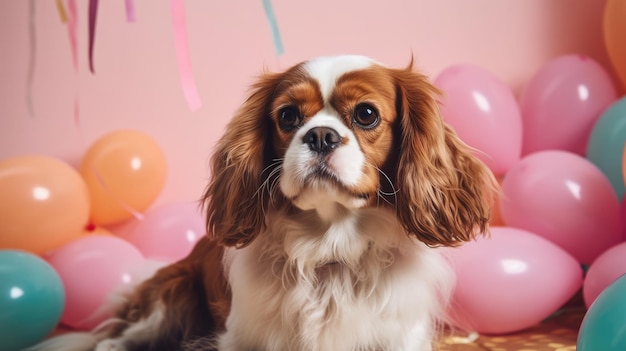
<point x="358" y="283"/>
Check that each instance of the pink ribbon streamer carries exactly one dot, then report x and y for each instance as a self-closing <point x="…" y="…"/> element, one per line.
<point x="32" y="57"/>
<point x="182" y="54"/>
<point x="72" y="27"/>
<point x="130" y="11"/>
<point x="93" y="16"/>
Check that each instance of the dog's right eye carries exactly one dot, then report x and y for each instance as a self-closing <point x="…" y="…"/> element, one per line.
<point x="289" y="117"/>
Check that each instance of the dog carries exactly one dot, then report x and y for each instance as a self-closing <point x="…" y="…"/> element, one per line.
<point x="332" y="191"/>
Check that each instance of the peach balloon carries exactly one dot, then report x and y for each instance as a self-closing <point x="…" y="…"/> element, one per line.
<point x="614" y="34"/>
<point x="125" y="171"/>
<point x="93" y="230"/>
<point x="45" y="203"/>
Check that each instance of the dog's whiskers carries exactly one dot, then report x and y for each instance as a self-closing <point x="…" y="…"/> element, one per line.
<point x="382" y="194"/>
<point x="272" y="167"/>
<point x="268" y="184"/>
<point x="275" y="179"/>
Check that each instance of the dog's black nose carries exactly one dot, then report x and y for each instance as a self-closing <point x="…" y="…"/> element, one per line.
<point x="322" y="139"/>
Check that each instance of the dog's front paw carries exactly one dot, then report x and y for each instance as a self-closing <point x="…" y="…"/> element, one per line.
<point x="110" y="345"/>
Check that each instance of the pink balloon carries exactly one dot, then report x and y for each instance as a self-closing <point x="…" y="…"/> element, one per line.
<point x="510" y="281"/>
<point x="603" y="271"/>
<point x="562" y="102"/>
<point x="484" y="113"/>
<point x="623" y="216"/>
<point x="168" y="232"/>
<point x="92" y="268"/>
<point x="564" y="198"/>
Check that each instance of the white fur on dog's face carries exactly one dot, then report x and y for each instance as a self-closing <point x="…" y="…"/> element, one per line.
<point x="307" y="177"/>
<point x="318" y="181"/>
<point x="326" y="70"/>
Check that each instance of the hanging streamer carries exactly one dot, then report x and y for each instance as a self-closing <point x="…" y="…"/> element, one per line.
<point x="61" y="10"/>
<point x="32" y="57"/>
<point x="72" y="26"/>
<point x="182" y="54"/>
<point x="130" y="11"/>
<point x="271" y="18"/>
<point x="93" y="16"/>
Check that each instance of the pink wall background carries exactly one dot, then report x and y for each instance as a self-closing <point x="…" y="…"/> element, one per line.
<point x="136" y="84"/>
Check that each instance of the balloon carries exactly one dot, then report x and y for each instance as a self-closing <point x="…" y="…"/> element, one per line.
<point x="92" y="268"/>
<point x="96" y="231"/>
<point x="45" y="203"/>
<point x="623" y="215"/>
<point x="510" y="281"/>
<point x="614" y="34"/>
<point x="31" y="299"/>
<point x="562" y="102"/>
<point x="168" y="232"/>
<point x="564" y="198"/>
<point x="125" y="172"/>
<point x="484" y="113"/>
<point x="602" y="328"/>
<point x="87" y="231"/>
<point x="603" y="271"/>
<point x="607" y="142"/>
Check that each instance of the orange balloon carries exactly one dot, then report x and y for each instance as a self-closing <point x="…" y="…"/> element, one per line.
<point x="615" y="35"/>
<point x="94" y="230"/>
<point x="44" y="204"/>
<point x="496" y="219"/>
<point x="125" y="172"/>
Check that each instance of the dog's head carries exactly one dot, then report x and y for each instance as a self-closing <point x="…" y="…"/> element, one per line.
<point x="336" y="134"/>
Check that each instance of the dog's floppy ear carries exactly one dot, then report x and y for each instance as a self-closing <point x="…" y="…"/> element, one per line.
<point x="233" y="200"/>
<point x="444" y="192"/>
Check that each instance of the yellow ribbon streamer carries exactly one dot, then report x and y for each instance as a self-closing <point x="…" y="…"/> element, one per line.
<point x="62" y="12"/>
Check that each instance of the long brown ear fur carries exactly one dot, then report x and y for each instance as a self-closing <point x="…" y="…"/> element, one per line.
<point x="444" y="192"/>
<point x="233" y="199"/>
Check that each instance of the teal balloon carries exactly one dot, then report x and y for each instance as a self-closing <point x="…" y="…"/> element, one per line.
<point x="606" y="144"/>
<point x="31" y="299"/>
<point x="604" y="325"/>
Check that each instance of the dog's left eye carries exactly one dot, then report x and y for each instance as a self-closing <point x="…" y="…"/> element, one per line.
<point x="289" y="117"/>
<point x="365" y="116"/>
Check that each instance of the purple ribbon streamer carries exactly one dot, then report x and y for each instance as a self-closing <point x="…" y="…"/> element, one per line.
<point x="93" y="15"/>
<point x="130" y="11"/>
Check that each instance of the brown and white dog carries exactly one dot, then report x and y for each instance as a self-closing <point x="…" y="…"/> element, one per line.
<point x="331" y="189"/>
